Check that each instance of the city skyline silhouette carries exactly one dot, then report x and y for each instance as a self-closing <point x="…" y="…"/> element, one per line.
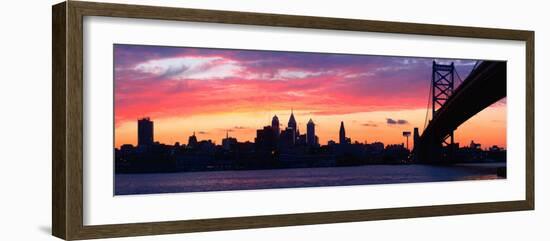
<point x="215" y="91"/>
<point x="202" y="119"/>
<point x="341" y="136"/>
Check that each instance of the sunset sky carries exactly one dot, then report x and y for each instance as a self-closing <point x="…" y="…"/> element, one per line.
<point x="214" y="91"/>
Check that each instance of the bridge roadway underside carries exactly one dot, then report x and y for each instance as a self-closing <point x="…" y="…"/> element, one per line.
<point x="482" y="88"/>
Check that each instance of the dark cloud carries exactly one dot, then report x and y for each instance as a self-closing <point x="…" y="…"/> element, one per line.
<point x="240" y="127"/>
<point x="202" y="132"/>
<point x="370" y="124"/>
<point x="173" y="71"/>
<point x="391" y="121"/>
<point x="225" y="130"/>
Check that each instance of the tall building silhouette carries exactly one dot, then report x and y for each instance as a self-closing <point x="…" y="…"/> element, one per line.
<point x="288" y="137"/>
<point x="192" y="142"/>
<point x="292" y="123"/>
<point x="311" y="133"/>
<point x="342" y="133"/>
<point x="416" y="136"/>
<point x="145" y="132"/>
<point x="275" y="125"/>
<point x="265" y="139"/>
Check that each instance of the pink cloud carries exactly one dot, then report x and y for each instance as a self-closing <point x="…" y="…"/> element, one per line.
<point x="199" y="81"/>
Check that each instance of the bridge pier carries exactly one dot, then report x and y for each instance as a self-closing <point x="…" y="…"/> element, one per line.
<point x="434" y="151"/>
<point x="428" y="151"/>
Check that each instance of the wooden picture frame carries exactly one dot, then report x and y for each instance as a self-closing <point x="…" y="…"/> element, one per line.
<point x="67" y="124"/>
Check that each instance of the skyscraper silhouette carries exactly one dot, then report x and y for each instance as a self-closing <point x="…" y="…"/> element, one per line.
<point x="145" y="132"/>
<point x="311" y="133"/>
<point x="275" y="125"/>
<point x="292" y="123"/>
<point x="342" y="133"/>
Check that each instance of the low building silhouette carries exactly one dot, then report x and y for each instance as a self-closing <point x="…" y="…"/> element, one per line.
<point x="192" y="141"/>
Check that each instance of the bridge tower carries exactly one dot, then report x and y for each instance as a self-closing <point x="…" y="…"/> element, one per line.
<point x="484" y="86"/>
<point x="442" y="90"/>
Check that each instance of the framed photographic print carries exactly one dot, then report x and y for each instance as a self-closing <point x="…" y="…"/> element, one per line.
<point x="171" y="120"/>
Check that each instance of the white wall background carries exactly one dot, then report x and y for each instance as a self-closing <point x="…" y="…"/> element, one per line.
<point x="25" y="120"/>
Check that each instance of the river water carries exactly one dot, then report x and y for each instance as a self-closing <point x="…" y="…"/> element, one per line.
<point x="149" y="183"/>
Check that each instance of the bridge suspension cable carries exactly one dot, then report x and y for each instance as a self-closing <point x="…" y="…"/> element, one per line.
<point x="459" y="79"/>
<point x="428" y="105"/>
<point x="472" y="70"/>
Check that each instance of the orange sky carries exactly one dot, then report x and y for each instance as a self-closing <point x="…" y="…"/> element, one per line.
<point x="363" y="127"/>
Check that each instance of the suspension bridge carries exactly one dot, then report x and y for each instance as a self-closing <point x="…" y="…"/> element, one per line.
<point x="453" y="101"/>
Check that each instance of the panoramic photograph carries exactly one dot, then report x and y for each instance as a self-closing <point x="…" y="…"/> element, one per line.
<point x="189" y="119"/>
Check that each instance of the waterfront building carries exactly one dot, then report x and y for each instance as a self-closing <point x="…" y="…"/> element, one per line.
<point x="192" y="142"/>
<point x="311" y="133"/>
<point x="229" y="143"/>
<point x="275" y="125"/>
<point x="343" y="139"/>
<point x="145" y="132"/>
<point x="265" y="139"/>
<point x="474" y="145"/>
<point x="292" y="124"/>
<point x="288" y="138"/>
